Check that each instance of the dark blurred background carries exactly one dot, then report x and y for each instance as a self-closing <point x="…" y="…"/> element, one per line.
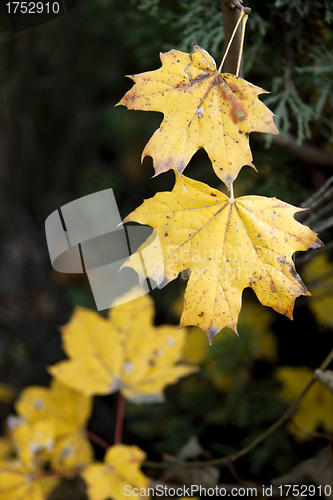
<point x="62" y="138"/>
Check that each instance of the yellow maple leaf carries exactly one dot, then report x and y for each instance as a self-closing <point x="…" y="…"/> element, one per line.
<point x="125" y="352"/>
<point x="31" y="440"/>
<point x="17" y="483"/>
<point x="228" y="245"/>
<point x="121" y="469"/>
<point x="70" y="409"/>
<point x="316" y="408"/>
<point x="202" y="109"/>
<point x="70" y="452"/>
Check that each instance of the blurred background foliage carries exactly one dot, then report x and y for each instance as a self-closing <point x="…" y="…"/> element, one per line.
<point x="61" y="138"/>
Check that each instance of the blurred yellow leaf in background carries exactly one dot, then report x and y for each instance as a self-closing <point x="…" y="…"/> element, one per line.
<point x="69" y="411"/>
<point x="318" y="272"/>
<point x="125" y="352"/>
<point x="16" y="482"/>
<point x="315" y="409"/>
<point x="31" y="439"/>
<point x="121" y="468"/>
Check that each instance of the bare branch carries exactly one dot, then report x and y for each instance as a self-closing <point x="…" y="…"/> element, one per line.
<point x="238" y="4"/>
<point x="305" y="152"/>
<point x="231" y="12"/>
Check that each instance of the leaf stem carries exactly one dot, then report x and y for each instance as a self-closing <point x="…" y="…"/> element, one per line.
<point x="65" y="473"/>
<point x="119" y="419"/>
<point x="232" y="192"/>
<point x="244" y="20"/>
<point x="238" y="454"/>
<point x="230" y="41"/>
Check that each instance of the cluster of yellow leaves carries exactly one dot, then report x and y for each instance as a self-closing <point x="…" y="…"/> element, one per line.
<point x="315" y="409"/>
<point x="124" y="352"/>
<point x="65" y="412"/>
<point x="17" y="482"/>
<point x="49" y="429"/>
<point x="227" y="244"/>
<point x="47" y="438"/>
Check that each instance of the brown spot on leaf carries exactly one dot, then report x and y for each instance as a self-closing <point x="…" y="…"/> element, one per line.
<point x="238" y="111"/>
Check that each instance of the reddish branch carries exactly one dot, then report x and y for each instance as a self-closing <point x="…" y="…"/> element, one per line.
<point x="98" y="440"/>
<point x="120" y="419"/>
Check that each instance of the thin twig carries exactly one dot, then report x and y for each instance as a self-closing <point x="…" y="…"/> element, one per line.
<point x="238" y="454"/>
<point x="325" y="224"/>
<point x="235" y="475"/>
<point x="120" y="419"/>
<point x="312" y="434"/>
<point x="98" y="440"/>
<point x="311" y="202"/>
<point x="234" y="4"/>
<point x="314" y="216"/>
<point x="65" y="473"/>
